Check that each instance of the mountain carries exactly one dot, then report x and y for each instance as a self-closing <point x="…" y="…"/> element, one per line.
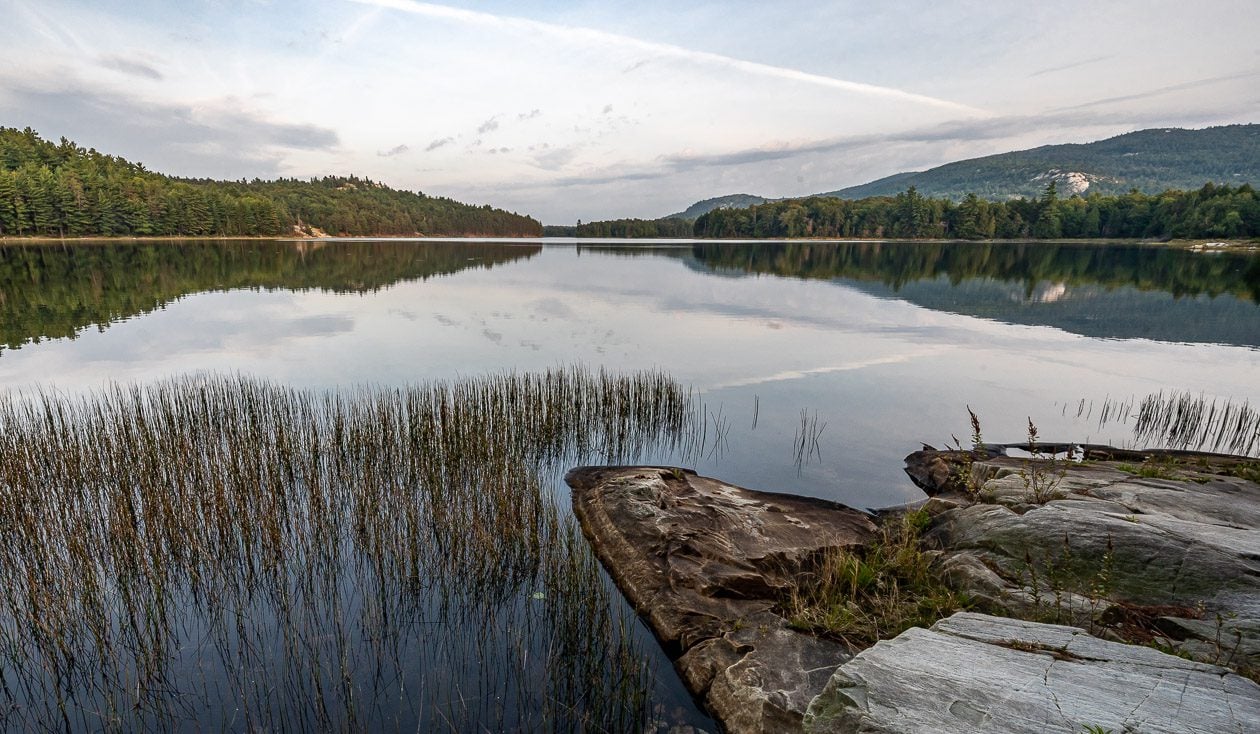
<point x="1151" y="161"/>
<point x="730" y="201"/>
<point x="63" y="190"/>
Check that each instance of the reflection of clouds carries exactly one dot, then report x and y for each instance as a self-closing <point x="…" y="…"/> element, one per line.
<point x="445" y="320"/>
<point x="846" y="367"/>
<point x="492" y="335"/>
<point x="552" y="307"/>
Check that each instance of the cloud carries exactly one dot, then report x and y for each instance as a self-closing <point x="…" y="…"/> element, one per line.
<point x="962" y="131"/>
<point x="131" y="67"/>
<point x="488" y="126"/>
<point x="1073" y="65"/>
<point x="440" y="142"/>
<point x="529" y="115"/>
<point x="396" y="150"/>
<point x="1160" y="91"/>
<point x="607" y="109"/>
<point x="603" y="40"/>
<point x="553" y="159"/>
<point x="218" y="138"/>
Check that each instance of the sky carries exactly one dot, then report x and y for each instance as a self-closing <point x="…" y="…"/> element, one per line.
<point x="598" y="110"/>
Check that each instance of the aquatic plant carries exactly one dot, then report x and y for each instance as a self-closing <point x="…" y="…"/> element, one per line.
<point x="230" y="552"/>
<point x="1183" y="420"/>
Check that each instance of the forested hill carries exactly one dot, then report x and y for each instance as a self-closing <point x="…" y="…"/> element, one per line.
<point x="1150" y="161"/>
<point x="61" y="189"/>
<point x="731" y="201"/>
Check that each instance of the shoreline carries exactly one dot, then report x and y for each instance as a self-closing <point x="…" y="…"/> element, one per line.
<point x="722" y="610"/>
<point x="1198" y="245"/>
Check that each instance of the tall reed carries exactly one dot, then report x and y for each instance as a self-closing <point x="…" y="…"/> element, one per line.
<point x="228" y="553"/>
<point x="1183" y="420"/>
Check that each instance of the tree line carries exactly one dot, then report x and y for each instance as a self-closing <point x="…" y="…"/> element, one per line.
<point x="636" y="228"/>
<point x="63" y="190"/>
<point x="1212" y="211"/>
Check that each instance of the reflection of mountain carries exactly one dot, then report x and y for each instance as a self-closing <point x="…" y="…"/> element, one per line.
<point x="1090" y="310"/>
<point x="50" y="291"/>
<point x="1095" y="290"/>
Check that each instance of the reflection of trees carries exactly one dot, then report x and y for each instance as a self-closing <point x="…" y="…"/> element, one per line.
<point x="50" y="291"/>
<point x="1174" y="271"/>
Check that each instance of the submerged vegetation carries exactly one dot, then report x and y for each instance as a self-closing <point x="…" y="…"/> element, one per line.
<point x="62" y="190"/>
<point x="242" y="555"/>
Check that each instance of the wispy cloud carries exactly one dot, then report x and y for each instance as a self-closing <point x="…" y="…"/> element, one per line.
<point x="222" y="137"/>
<point x="1073" y="65"/>
<point x="1171" y="88"/>
<point x="488" y="126"/>
<point x="133" y="67"/>
<point x="962" y="131"/>
<point x="438" y="144"/>
<point x="529" y="115"/>
<point x="603" y="39"/>
<point x="396" y="150"/>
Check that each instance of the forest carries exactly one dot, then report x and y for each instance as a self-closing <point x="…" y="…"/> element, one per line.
<point x="1212" y="211"/>
<point x="636" y="228"/>
<point x="63" y="190"/>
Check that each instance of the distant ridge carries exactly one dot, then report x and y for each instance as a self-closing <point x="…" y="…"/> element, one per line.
<point x="730" y="201"/>
<point x="1150" y="161"/>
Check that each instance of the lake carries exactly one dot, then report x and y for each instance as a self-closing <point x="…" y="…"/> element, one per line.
<point x="806" y="367"/>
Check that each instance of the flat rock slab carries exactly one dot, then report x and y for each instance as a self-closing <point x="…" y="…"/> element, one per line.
<point x="975" y="673"/>
<point x="1165" y="549"/>
<point x="706" y="563"/>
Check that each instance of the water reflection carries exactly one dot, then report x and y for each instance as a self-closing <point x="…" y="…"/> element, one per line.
<point x="1109" y="291"/>
<point x="52" y="291"/>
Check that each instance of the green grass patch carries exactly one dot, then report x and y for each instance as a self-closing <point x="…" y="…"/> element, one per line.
<point x="876" y="592"/>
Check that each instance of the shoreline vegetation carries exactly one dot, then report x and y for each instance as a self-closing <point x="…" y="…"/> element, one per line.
<point x="61" y="189"/>
<point x="1211" y="212"/>
<point x="236" y="553"/>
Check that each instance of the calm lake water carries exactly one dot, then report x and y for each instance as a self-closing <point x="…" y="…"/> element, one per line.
<point x="863" y="351"/>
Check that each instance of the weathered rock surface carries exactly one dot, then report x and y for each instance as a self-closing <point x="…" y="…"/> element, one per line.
<point x="705" y="562"/>
<point x="975" y="673"/>
<point x="1173" y="556"/>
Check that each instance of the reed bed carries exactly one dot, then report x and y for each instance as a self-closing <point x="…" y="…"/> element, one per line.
<point x="1184" y="421"/>
<point x="225" y="553"/>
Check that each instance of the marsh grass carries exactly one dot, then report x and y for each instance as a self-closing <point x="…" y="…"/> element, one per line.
<point x="222" y="552"/>
<point x="805" y="445"/>
<point x="1183" y="420"/>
